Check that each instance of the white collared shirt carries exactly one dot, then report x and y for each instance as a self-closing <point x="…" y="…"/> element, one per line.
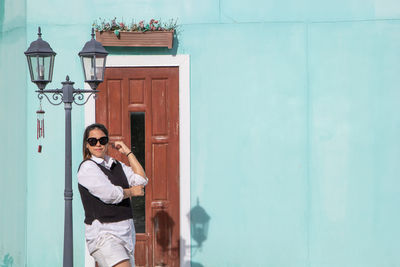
<point x="93" y="178"/>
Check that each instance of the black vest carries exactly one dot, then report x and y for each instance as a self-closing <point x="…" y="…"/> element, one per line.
<point x="95" y="209"/>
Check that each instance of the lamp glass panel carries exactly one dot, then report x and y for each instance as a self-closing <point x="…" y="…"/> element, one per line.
<point x="88" y="68"/>
<point x="51" y="67"/>
<point x="41" y="67"/>
<point x="32" y="63"/>
<point x="99" y="67"/>
<point x="45" y="67"/>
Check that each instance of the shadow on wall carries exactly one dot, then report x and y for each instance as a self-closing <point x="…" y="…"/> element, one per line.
<point x="199" y="225"/>
<point x="7" y="261"/>
<point x="199" y="222"/>
<point x="190" y="263"/>
<point x="164" y="226"/>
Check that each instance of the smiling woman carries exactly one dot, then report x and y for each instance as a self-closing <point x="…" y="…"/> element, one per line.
<point x="90" y="134"/>
<point x="97" y="146"/>
<point x="106" y="186"/>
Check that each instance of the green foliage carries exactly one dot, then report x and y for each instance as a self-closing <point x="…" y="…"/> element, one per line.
<point x="118" y="26"/>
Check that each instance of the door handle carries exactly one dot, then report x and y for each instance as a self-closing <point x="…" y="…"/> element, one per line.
<point x="159" y="204"/>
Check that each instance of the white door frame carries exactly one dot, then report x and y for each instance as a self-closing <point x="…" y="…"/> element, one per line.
<point x="181" y="61"/>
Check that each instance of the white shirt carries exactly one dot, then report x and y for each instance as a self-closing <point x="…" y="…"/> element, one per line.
<point x="93" y="178"/>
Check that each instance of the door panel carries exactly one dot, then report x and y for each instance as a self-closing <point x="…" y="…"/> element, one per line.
<point x="128" y="92"/>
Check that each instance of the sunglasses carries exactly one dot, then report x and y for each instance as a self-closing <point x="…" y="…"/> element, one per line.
<point x="93" y="141"/>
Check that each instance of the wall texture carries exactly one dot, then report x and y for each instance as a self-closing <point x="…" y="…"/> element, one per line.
<point x="13" y="123"/>
<point x="294" y="121"/>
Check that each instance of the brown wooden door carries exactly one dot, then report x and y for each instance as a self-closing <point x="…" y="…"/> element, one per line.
<point x="140" y="107"/>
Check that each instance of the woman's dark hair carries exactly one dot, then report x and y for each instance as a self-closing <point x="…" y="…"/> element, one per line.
<point x="86" y="153"/>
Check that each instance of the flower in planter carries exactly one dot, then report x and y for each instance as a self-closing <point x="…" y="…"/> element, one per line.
<point x="113" y="22"/>
<point x="117" y="27"/>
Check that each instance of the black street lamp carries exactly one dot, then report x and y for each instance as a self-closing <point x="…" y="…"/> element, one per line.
<point x="40" y="61"/>
<point x="93" y="58"/>
<point x="40" y="58"/>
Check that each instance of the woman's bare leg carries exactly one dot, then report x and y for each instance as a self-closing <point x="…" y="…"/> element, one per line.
<point x="125" y="263"/>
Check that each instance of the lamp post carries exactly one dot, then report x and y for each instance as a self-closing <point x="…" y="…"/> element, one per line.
<point x="40" y="58"/>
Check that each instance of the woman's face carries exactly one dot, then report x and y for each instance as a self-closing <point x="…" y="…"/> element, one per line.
<point x="98" y="150"/>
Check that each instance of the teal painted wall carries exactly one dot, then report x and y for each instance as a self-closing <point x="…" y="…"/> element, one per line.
<point x="45" y="215"/>
<point x="354" y="148"/>
<point x="13" y="123"/>
<point x="294" y="128"/>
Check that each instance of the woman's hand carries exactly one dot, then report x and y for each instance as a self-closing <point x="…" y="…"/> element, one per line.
<point x="121" y="147"/>
<point x="133" y="162"/>
<point x="134" y="191"/>
<point x="137" y="191"/>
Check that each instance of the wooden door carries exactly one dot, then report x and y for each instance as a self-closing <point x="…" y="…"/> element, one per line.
<point x="140" y="107"/>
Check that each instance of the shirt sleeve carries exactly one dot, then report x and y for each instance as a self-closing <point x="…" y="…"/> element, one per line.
<point x="93" y="179"/>
<point x="134" y="179"/>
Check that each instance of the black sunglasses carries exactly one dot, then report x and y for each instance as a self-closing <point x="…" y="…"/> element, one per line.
<point x="93" y="141"/>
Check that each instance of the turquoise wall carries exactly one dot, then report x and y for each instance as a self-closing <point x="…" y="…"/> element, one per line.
<point x="45" y="215"/>
<point x="13" y="123"/>
<point x="294" y="128"/>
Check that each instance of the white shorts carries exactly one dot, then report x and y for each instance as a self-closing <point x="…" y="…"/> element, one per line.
<point x="111" y="251"/>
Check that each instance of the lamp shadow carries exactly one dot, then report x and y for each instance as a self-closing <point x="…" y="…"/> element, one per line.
<point x="199" y="223"/>
<point x="199" y="226"/>
<point x="7" y="261"/>
<point x="164" y="226"/>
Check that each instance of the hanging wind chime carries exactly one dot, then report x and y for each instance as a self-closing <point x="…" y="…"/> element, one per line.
<point x="40" y="126"/>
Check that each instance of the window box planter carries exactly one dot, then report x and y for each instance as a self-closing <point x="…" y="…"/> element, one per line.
<point x="137" y="39"/>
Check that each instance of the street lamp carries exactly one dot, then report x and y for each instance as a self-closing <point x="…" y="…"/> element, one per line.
<point x="40" y="61"/>
<point x="40" y="58"/>
<point x="93" y="58"/>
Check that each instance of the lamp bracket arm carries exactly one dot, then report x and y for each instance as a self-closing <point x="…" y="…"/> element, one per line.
<point x="56" y="97"/>
<point x="79" y="97"/>
<point x="85" y="91"/>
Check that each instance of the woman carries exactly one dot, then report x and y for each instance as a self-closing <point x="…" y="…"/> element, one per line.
<point x="106" y="186"/>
